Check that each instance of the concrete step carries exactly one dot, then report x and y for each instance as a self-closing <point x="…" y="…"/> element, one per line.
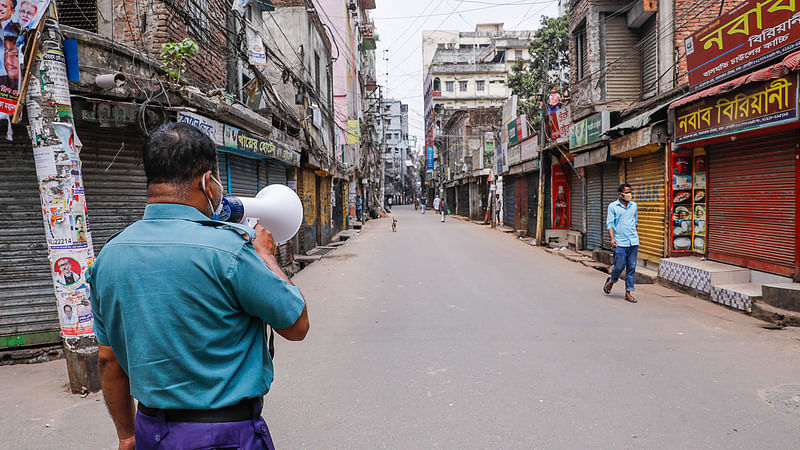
<point x="505" y="228"/>
<point x="597" y="265"/>
<point x="778" y="316"/>
<point x="645" y="275"/>
<point x="739" y="295"/>
<point x="782" y="295"/>
<point x="696" y="276"/>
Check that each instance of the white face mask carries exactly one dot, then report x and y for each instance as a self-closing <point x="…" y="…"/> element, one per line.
<point x="218" y="209"/>
<point x="627" y="196"/>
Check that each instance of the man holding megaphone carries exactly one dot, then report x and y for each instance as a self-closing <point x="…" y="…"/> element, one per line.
<point x="180" y="302"/>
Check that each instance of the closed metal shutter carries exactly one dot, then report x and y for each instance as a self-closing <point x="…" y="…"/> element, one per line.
<point x="222" y="162"/>
<point x="263" y="170"/>
<point x="508" y="201"/>
<point x="611" y="183"/>
<point x="277" y="173"/>
<point x="27" y="303"/>
<point x="649" y="58"/>
<point x="533" y="201"/>
<point x="244" y="175"/>
<point x="645" y="174"/>
<point x="594" y="207"/>
<point x="520" y="203"/>
<point x="463" y="201"/>
<point x="752" y="208"/>
<point x="623" y="76"/>
<point x="577" y="202"/>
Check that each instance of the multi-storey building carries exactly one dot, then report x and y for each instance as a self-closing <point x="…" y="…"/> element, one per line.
<point x="393" y="124"/>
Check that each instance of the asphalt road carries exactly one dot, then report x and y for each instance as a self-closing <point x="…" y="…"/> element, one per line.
<point x="451" y="335"/>
<point x="456" y="336"/>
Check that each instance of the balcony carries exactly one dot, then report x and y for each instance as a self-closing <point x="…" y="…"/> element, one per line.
<point x="368" y="36"/>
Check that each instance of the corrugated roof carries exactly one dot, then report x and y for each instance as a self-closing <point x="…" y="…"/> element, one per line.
<point x="790" y="63"/>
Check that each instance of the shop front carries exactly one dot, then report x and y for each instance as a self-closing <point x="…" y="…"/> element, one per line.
<point x="602" y="178"/>
<point x="734" y="166"/>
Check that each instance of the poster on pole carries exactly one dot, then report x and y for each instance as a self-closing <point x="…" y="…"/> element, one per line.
<point x="72" y="292"/>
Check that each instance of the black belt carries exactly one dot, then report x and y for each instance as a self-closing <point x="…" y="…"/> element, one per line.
<point x="237" y="413"/>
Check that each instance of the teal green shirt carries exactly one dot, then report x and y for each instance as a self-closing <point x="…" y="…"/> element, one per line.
<point x="183" y="301"/>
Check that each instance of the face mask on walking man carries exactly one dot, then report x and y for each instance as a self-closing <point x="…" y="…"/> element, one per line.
<point x="621" y="222"/>
<point x="190" y="323"/>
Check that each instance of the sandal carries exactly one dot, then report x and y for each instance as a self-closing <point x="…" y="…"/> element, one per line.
<point x="629" y="297"/>
<point x="607" y="287"/>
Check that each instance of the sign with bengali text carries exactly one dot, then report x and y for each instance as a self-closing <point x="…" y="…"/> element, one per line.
<point x="746" y="37"/>
<point x="753" y="106"/>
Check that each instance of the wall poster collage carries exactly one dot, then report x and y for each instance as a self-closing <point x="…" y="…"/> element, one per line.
<point x="689" y="212"/>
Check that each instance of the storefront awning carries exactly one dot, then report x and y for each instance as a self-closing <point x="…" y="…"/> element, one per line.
<point x="789" y="64"/>
<point x="640" y="121"/>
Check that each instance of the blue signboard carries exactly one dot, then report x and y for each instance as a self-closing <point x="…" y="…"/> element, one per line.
<point x="430" y="158"/>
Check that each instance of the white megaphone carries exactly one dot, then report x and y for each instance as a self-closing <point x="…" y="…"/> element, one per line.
<point x="276" y="207"/>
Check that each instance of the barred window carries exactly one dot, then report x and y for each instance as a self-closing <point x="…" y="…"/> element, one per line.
<point x="80" y="14"/>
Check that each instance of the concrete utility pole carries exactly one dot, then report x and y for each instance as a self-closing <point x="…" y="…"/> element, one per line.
<point x="56" y="151"/>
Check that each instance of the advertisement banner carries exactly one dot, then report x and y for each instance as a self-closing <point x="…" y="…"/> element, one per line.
<point x="560" y="122"/>
<point x="353" y="132"/>
<point x="753" y="106"/>
<point x="748" y="36"/>
<point x="529" y="148"/>
<point x="560" y="194"/>
<point x="517" y="129"/>
<point x="15" y="19"/>
<point x="588" y="130"/>
<point x="256" y="52"/>
<point x="429" y="158"/>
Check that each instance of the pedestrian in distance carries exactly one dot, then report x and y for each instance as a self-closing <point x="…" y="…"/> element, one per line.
<point x="443" y="208"/>
<point x="185" y="333"/>
<point x="498" y="205"/>
<point x="623" y="217"/>
<point x="359" y="206"/>
<point x="437" y="203"/>
<point x="423" y="204"/>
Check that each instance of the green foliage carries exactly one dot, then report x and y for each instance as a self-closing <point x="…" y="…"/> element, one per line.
<point x="174" y="55"/>
<point x="549" y="50"/>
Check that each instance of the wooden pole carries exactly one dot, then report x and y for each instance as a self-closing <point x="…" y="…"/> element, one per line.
<point x="56" y="150"/>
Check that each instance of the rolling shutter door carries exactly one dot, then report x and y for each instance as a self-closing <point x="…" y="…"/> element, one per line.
<point x="610" y="185"/>
<point x="649" y="58"/>
<point x="277" y="173"/>
<point x="533" y="201"/>
<point x="623" y="76"/>
<point x="462" y="207"/>
<point x="244" y="175"/>
<point x="28" y="303"/>
<point x="520" y="203"/>
<point x="646" y="175"/>
<point x="594" y="207"/>
<point x="508" y="201"/>
<point x="263" y="170"/>
<point x="576" y="202"/>
<point x="752" y="208"/>
<point x="222" y="162"/>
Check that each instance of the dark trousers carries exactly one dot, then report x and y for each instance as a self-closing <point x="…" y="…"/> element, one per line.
<point x="159" y="433"/>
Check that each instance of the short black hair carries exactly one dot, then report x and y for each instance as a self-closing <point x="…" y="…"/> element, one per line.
<point x="177" y="153"/>
<point x="11" y="33"/>
<point x="67" y="306"/>
<point x="623" y="186"/>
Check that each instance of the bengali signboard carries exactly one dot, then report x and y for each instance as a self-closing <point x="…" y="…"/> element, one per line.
<point x="753" y="106"/>
<point x="588" y="130"/>
<point x="429" y="158"/>
<point x="247" y="142"/>
<point x="748" y="36"/>
<point x="560" y="122"/>
<point x="529" y="148"/>
<point x="214" y="129"/>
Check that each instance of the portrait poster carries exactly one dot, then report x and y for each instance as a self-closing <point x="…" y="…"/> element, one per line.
<point x="16" y="18"/>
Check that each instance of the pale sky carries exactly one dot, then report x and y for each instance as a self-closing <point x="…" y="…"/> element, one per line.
<point x="399" y="25"/>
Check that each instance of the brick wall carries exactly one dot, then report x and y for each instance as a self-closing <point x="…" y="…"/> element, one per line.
<point x="691" y="16"/>
<point x="166" y="22"/>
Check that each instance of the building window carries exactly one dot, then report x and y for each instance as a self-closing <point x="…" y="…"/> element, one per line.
<point x="80" y="14"/>
<point x="316" y="71"/>
<point x="517" y="54"/>
<point x="480" y="84"/>
<point x="462" y="86"/>
<point x="581" y="51"/>
<point x="437" y="84"/>
<point x="449" y="85"/>
<point x="197" y="11"/>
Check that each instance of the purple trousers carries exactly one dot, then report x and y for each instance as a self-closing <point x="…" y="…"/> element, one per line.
<point x="158" y="433"/>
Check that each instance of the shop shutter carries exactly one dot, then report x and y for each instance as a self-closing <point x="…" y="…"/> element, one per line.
<point x="244" y="175"/>
<point x="533" y="201"/>
<point x="520" y="203"/>
<point x="752" y="209"/>
<point x="577" y="203"/>
<point x="594" y="207"/>
<point x="508" y="201"/>
<point x="463" y="201"/>
<point x="28" y="303"/>
<point x="649" y="58"/>
<point x="611" y="183"/>
<point x="222" y="162"/>
<point x="263" y="171"/>
<point x="623" y="75"/>
<point x="277" y="173"/>
<point x="645" y="174"/>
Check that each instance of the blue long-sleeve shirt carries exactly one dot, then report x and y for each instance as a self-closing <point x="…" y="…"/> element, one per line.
<point x="623" y="221"/>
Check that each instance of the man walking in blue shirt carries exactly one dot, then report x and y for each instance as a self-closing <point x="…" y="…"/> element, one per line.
<point x="180" y="304"/>
<point x="621" y="222"/>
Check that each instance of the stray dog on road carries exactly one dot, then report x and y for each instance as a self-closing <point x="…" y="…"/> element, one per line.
<point x="394" y="224"/>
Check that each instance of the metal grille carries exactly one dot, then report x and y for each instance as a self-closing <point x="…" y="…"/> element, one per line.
<point x="594" y="207"/>
<point x="508" y="201"/>
<point x="80" y="14"/>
